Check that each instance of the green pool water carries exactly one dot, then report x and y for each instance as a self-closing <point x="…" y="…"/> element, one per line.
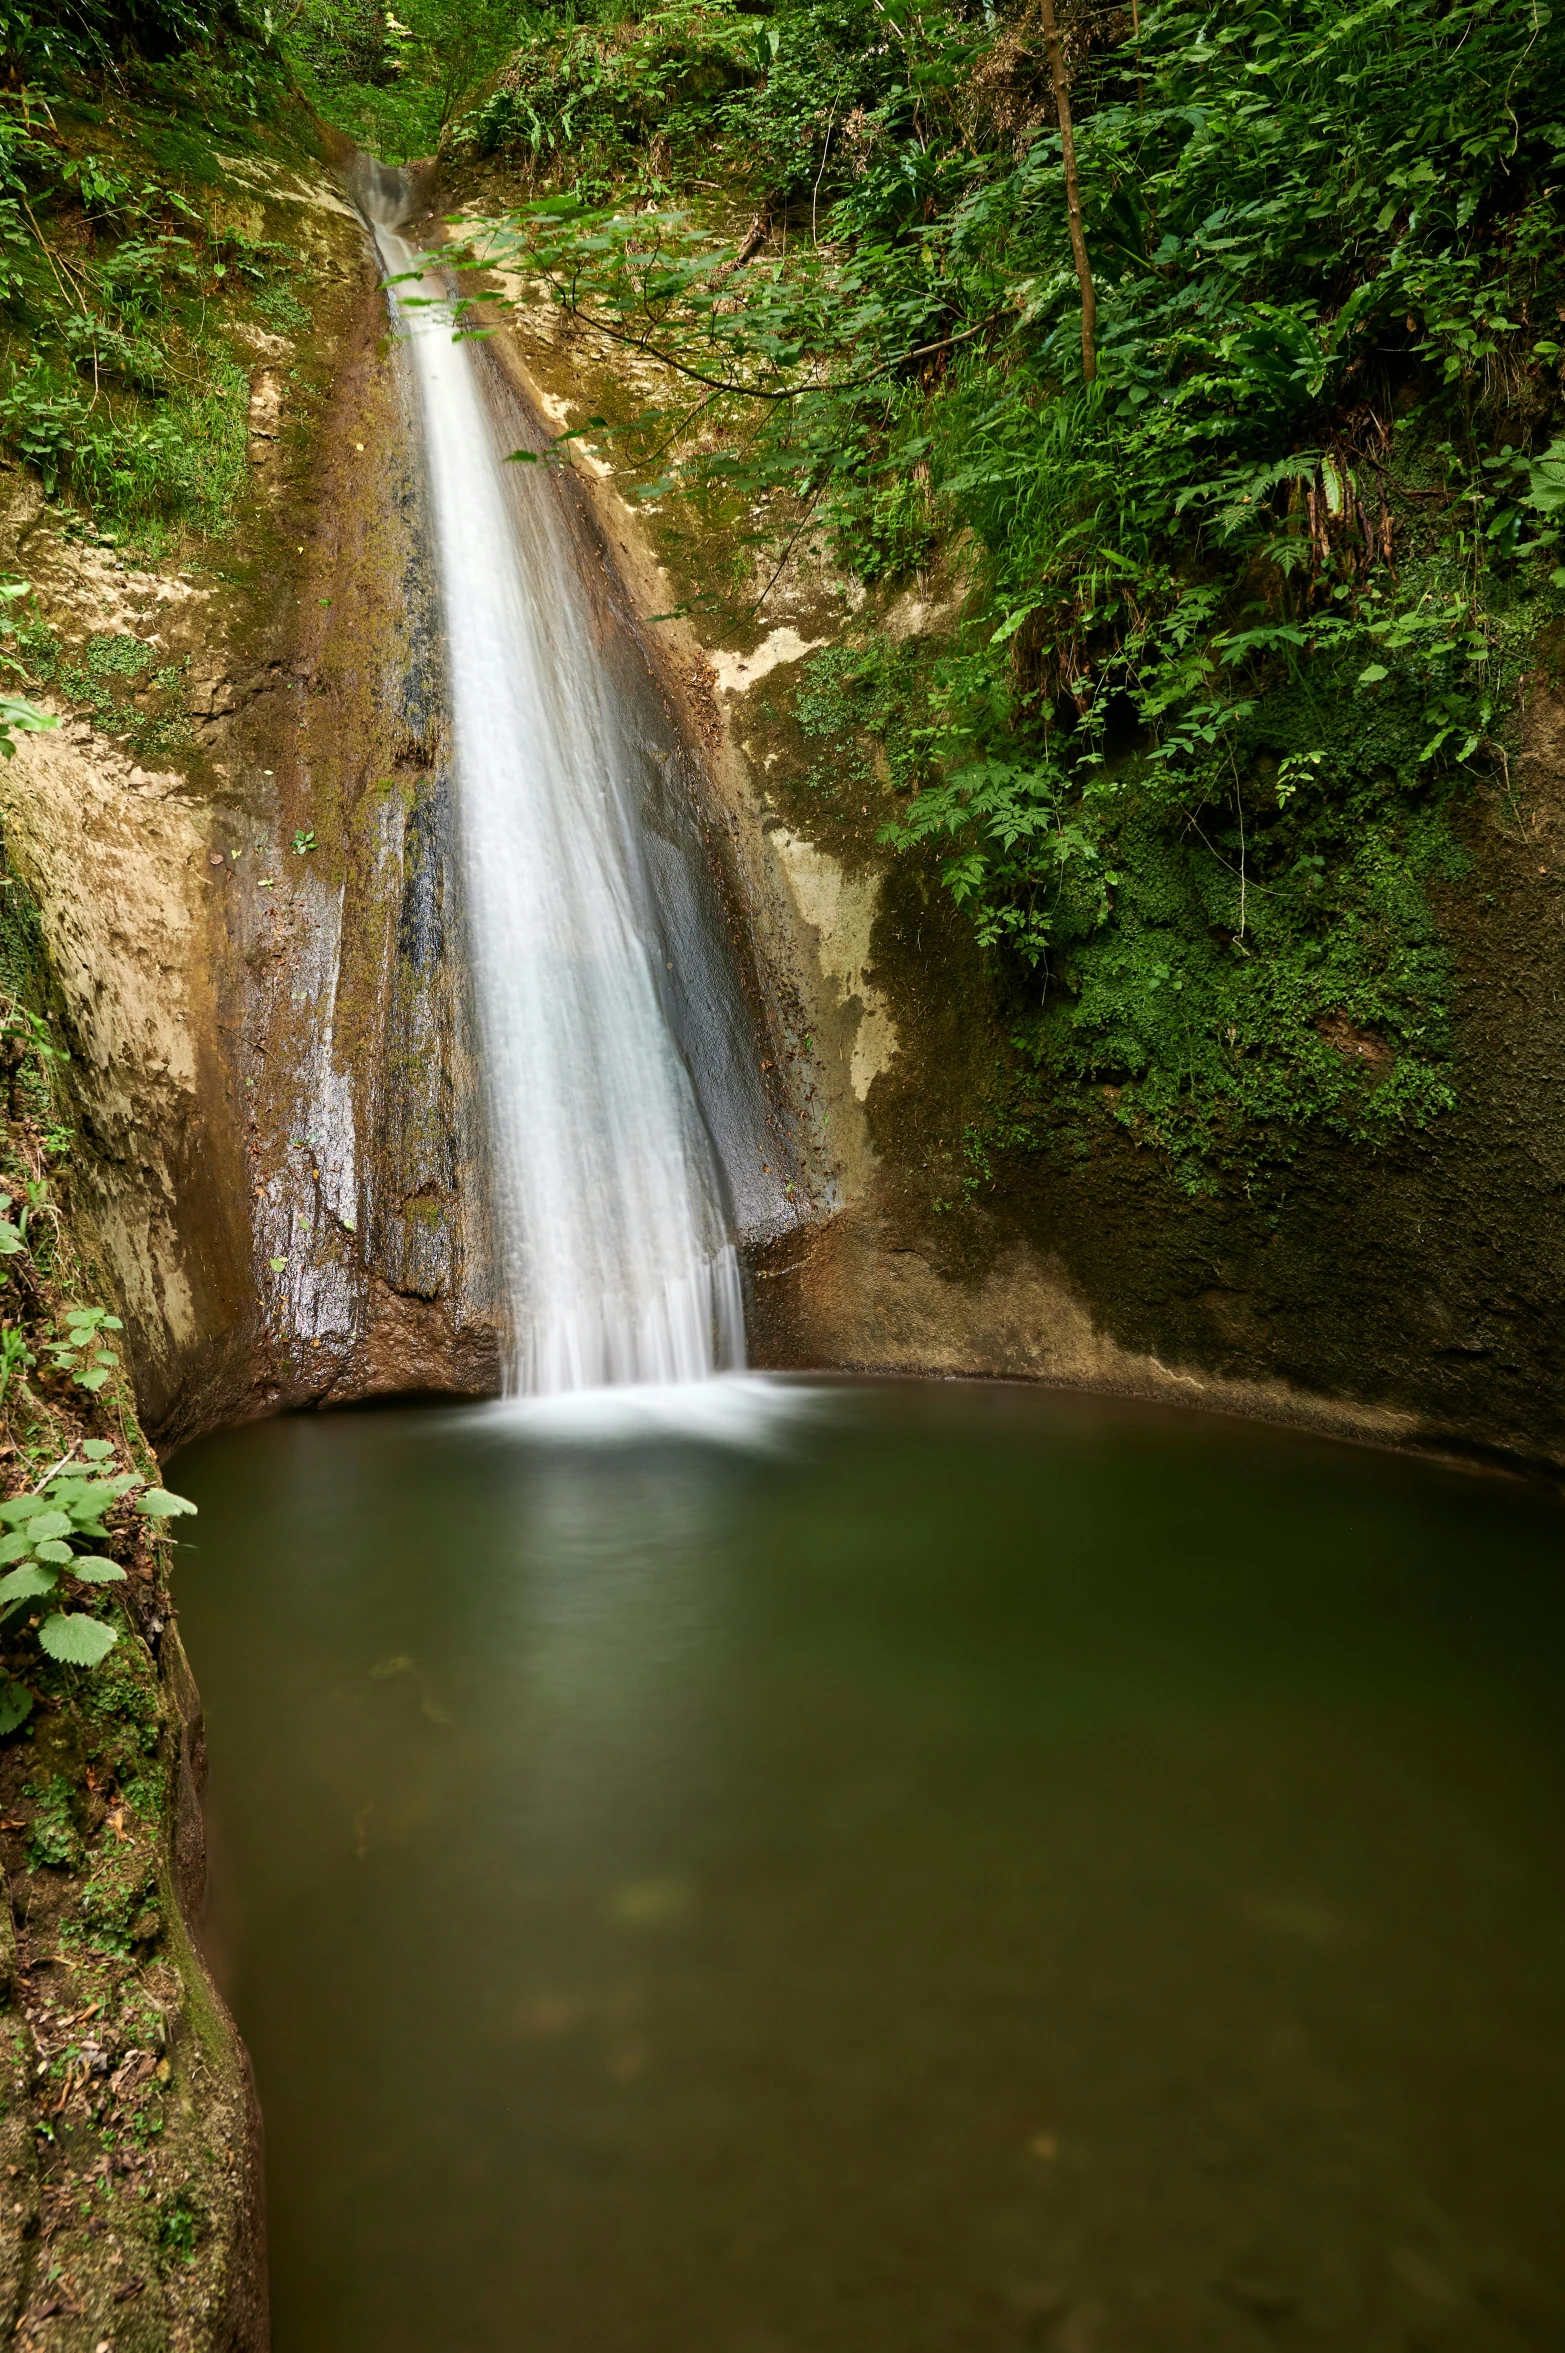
<point x="937" y="1869"/>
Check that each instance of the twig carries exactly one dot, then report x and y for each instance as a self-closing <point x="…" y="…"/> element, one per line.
<point x="786" y="553"/>
<point x="785" y="392"/>
<point x="1062" y="104"/>
<point x="51" y="258"/>
<point x="815" y="192"/>
<point x="59" y="1466"/>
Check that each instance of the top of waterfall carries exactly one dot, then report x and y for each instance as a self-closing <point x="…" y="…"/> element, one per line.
<point x="383" y="192"/>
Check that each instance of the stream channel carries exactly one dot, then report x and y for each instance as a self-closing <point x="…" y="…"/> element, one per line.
<point x="886" y="1869"/>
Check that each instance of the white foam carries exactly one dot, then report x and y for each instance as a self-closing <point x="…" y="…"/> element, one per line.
<point x="751" y="1410"/>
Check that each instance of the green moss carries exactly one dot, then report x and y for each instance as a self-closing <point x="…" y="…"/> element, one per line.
<point x="118" y="1907"/>
<point x="279" y="308"/>
<point x="23" y="961"/>
<point x="121" y="683"/>
<point x="179" y="2228"/>
<point x="53" y="1840"/>
<point x="120" y="1699"/>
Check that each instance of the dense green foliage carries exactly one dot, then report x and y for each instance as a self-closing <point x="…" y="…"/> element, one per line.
<point x="1245" y="616"/>
<point x="1242" y="620"/>
<point x="119" y="387"/>
<point x="396" y="78"/>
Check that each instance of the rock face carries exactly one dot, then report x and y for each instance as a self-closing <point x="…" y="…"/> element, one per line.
<point x="1414" y="1294"/>
<point x="260" y="951"/>
<point x="129" y="2130"/>
<point x="258" y="945"/>
<point x="257" y="942"/>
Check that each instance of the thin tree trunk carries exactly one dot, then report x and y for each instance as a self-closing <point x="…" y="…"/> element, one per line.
<point x="1089" y="298"/>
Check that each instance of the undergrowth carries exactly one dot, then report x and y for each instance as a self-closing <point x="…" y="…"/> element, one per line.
<point x="120" y="274"/>
<point x="79" y="1504"/>
<point x="1247" y="606"/>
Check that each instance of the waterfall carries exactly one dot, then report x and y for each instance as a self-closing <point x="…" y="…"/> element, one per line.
<point x="608" y="1191"/>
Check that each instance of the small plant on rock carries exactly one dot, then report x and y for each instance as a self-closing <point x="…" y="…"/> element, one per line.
<point x="78" y="1350"/>
<point x="41" y="1533"/>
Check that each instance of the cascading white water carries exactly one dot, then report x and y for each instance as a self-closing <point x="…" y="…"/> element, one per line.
<point x="617" y="1259"/>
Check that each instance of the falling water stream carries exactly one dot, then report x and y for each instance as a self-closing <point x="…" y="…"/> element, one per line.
<point x="617" y="1260"/>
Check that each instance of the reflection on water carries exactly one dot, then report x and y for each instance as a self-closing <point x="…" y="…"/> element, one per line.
<point x="977" y="1871"/>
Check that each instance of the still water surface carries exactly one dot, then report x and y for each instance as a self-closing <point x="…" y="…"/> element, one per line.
<point x="974" y="1871"/>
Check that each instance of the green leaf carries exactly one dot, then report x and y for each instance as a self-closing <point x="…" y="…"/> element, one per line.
<point x="51" y="1549"/>
<point x="159" y="1504"/>
<point x="16" y="1705"/>
<point x="97" y="1449"/>
<point x="93" y="1380"/>
<point x="49" y="1523"/>
<point x="85" y="1499"/>
<point x="80" y="1642"/>
<point x="22" y="1584"/>
<point x="1371" y="674"/>
<point x="20" y="1508"/>
<point x="1545" y="492"/>
<point x="15" y="1546"/>
<point x="93" y="1569"/>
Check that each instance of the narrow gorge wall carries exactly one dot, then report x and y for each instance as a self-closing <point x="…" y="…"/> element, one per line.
<point x="257" y="938"/>
<point x="257" y="942"/>
<point x="254" y="936"/>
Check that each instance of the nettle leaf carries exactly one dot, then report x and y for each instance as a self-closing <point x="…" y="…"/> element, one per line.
<point x="159" y="1504"/>
<point x="22" y="1584"/>
<point x="69" y="1494"/>
<point x="20" y="1508"/>
<point x="14" y="1546"/>
<point x="78" y="1641"/>
<point x="97" y="1449"/>
<point x="16" y="1705"/>
<point x="85" y="1499"/>
<point x="51" y="1549"/>
<point x="49" y="1523"/>
<point x="93" y="1569"/>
